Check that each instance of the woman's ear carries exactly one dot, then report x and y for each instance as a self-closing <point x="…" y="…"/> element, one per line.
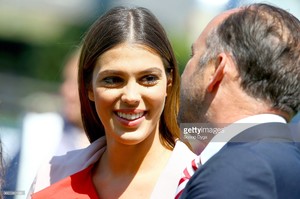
<point x="169" y="82"/>
<point x="91" y="93"/>
<point x="218" y="72"/>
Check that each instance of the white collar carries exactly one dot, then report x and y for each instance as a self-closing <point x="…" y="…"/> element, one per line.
<point x="221" y="139"/>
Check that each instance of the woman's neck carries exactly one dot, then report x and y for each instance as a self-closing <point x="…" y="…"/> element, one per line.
<point x="125" y="159"/>
<point x="123" y="168"/>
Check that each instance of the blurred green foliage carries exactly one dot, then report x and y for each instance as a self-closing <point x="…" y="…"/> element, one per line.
<point x="45" y="61"/>
<point x="40" y="61"/>
<point x="181" y="50"/>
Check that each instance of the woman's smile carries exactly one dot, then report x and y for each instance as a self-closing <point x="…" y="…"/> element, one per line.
<point x="130" y="118"/>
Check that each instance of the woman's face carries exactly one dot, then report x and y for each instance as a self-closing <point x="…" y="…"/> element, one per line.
<point x="129" y="87"/>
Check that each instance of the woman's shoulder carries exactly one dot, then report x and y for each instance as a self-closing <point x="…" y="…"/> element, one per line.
<point x="167" y="183"/>
<point x="78" y="185"/>
<point x="60" y="167"/>
<point x="182" y="152"/>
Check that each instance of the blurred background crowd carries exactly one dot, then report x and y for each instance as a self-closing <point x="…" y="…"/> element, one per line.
<point x="39" y="42"/>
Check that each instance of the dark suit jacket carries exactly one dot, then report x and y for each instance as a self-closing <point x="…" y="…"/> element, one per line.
<point x="260" y="162"/>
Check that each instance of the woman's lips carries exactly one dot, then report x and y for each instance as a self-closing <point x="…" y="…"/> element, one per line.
<point x="130" y="118"/>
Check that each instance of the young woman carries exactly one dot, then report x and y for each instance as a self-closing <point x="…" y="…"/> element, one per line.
<point x="129" y="93"/>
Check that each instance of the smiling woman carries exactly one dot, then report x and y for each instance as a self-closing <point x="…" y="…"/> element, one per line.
<point x="129" y="87"/>
<point x="129" y="95"/>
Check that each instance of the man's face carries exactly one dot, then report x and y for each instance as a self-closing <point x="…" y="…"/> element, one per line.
<point x="195" y="104"/>
<point x="194" y="81"/>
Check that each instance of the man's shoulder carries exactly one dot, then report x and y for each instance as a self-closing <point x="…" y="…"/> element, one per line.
<point x="237" y="155"/>
<point x="239" y="168"/>
<point x="270" y="153"/>
<point x="230" y="174"/>
<point x="268" y="142"/>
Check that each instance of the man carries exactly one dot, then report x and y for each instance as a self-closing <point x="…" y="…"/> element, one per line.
<point x="245" y="70"/>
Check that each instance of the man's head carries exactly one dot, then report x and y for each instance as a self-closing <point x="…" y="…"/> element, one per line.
<point x="245" y="62"/>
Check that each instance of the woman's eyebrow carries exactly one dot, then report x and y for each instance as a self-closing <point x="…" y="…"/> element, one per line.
<point x="151" y="70"/>
<point x="110" y="72"/>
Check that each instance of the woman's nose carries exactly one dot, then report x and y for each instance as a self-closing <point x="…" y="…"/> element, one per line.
<point x="131" y="94"/>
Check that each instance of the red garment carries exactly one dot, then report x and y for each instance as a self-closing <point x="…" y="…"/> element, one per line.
<point x="187" y="174"/>
<point x="78" y="185"/>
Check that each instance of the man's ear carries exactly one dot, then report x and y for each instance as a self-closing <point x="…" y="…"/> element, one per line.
<point x="218" y="75"/>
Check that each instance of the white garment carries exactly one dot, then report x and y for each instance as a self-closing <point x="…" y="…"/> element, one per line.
<point x="43" y="134"/>
<point x="62" y="166"/>
<point x="168" y="181"/>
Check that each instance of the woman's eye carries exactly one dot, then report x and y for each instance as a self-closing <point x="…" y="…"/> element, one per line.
<point x="149" y="80"/>
<point x="112" y="81"/>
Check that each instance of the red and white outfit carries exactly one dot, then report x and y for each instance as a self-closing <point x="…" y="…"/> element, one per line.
<point x="69" y="176"/>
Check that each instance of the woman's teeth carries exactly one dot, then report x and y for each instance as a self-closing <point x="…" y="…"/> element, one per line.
<point x="130" y="116"/>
